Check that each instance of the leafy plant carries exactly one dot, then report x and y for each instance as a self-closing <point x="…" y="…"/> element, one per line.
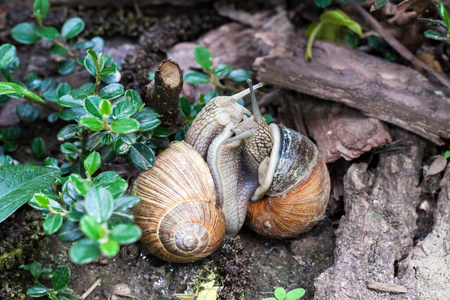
<point x="215" y="76"/>
<point x="281" y="294"/>
<point x="94" y="208"/>
<point x="445" y="23"/>
<point x="60" y="279"/>
<point x="333" y="26"/>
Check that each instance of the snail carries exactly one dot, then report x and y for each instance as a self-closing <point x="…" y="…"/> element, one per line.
<point x="246" y="159"/>
<point x="178" y="212"/>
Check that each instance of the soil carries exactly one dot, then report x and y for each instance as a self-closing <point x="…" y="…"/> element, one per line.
<point x="245" y="267"/>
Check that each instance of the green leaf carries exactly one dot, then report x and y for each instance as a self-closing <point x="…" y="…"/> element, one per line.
<point x="53" y="224"/>
<point x="48" y="32"/>
<point x="69" y="101"/>
<point x="433" y="21"/>
<point x="295" y="294"/>
<point x="41" y="8"/>
<point x="111" y="91"/>
<point x="99" y="204"/>
<point x="150" y="76"/>
<point x="322" y="3"/>
<point x="223" y="70"/>
<point x="72" y="28"/>
<point x="105" y="108"/>
<point x="7" y="54"/>
<point x="37" y="290"/>
<point x="203" y="57"/>
<point x="58" y="50"/>
<point x="63" y="89"/>
<point x="69" y="232"/>
<point x="142" y="156"/>
<point x="48" y="84"/>
<point x="125" y="125"/>
<point x="92" y="162"/>
<point x="120" y="147"/>
<point x="80" y="185"/>
<point x="444" y="14"/>
<point x="267" y="118"/>
<point x="126" y="201"/>
<point x="25" y="33"/>
<point x="161" y="131"/>
<point x="185" y="106"/>
<point x="10" y="87"/>
<point x="84" y="45"/>
<point x="90" y="64"/>
<point x="338" y="17"/>
<point x="84" y="251"/>
<point x="447" y="154"/>
<point x="18" y="184"/>
<point x="108" y="71"/>
<point x="67" y="67"/>
<point x="38" y="147"/>
<point x="67" y="132"/>
<point x="92" y="106"/>
<point x="90" y="227"/>
<point x="380" y="3"/>
<point x="27" y="112"/>
<point x="112" y="182"/>
<point x="99" y="44"/>
<point x="91" y="123"/>
<point x="433" y="34"/>
<point x="35" y="269"/>
<point x="125" y="233"/>
<point x="124" y="109"/>
<point x="280" y="293"/>
<point x="195" y="77"/>
<point x="110" y="248"/>
<point x="352" y="39"/>
<point x="41" y="199"/>
<point x="239" y="75"/>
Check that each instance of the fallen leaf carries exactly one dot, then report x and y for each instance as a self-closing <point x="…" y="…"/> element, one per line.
<point x="437" y="166"/>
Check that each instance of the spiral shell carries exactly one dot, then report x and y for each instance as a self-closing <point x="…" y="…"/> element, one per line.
<point x="299" y="193"/>
<point x="178" y="212"/>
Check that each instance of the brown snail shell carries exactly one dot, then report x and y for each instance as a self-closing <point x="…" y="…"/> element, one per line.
<point x="178" y="212"/>
<point x="299" y="193"/>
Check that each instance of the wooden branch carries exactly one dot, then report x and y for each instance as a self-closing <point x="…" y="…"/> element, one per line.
<point x="402" y="50"/>
<point x="378" y="88"/>
<point x="379" y="224"/>
<point x="163" y="94"/>
<point x="340" y="131"/>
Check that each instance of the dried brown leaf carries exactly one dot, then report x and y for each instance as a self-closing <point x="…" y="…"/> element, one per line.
<point x="437" y="166"/>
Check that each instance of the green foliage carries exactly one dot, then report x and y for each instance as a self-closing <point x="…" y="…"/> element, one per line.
<point x="60" y="279"/>
<point x="447" y="154"/>
<point x="333" y="26"/>
<point x="281" y="294"/>
<point x="222" y="72"/>
<point x="19" y="183"/>
<point x="445" y="23"/>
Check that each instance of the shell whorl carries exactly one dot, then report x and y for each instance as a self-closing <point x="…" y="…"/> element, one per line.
<point x="178" y="212"/>
<point x="299" y="193"/>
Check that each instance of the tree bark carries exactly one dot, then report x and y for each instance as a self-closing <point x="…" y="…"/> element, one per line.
<point x="378" y="88"/>
<point x="378" y="228"/>
<point x="163" y="94"/>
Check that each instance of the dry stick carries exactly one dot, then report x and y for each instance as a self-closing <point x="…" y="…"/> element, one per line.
<point x="163" y="94"/>
<point x="89" y="291"/>
<point x="402" y="50"/>
<point x="386" y="287"/>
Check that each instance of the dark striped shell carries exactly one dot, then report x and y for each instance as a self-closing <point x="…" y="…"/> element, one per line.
<point x="299" y="193"/>
<point x="178" y="212"/>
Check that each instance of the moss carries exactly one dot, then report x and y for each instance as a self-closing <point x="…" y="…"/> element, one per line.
<point x="21" y="238"/>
